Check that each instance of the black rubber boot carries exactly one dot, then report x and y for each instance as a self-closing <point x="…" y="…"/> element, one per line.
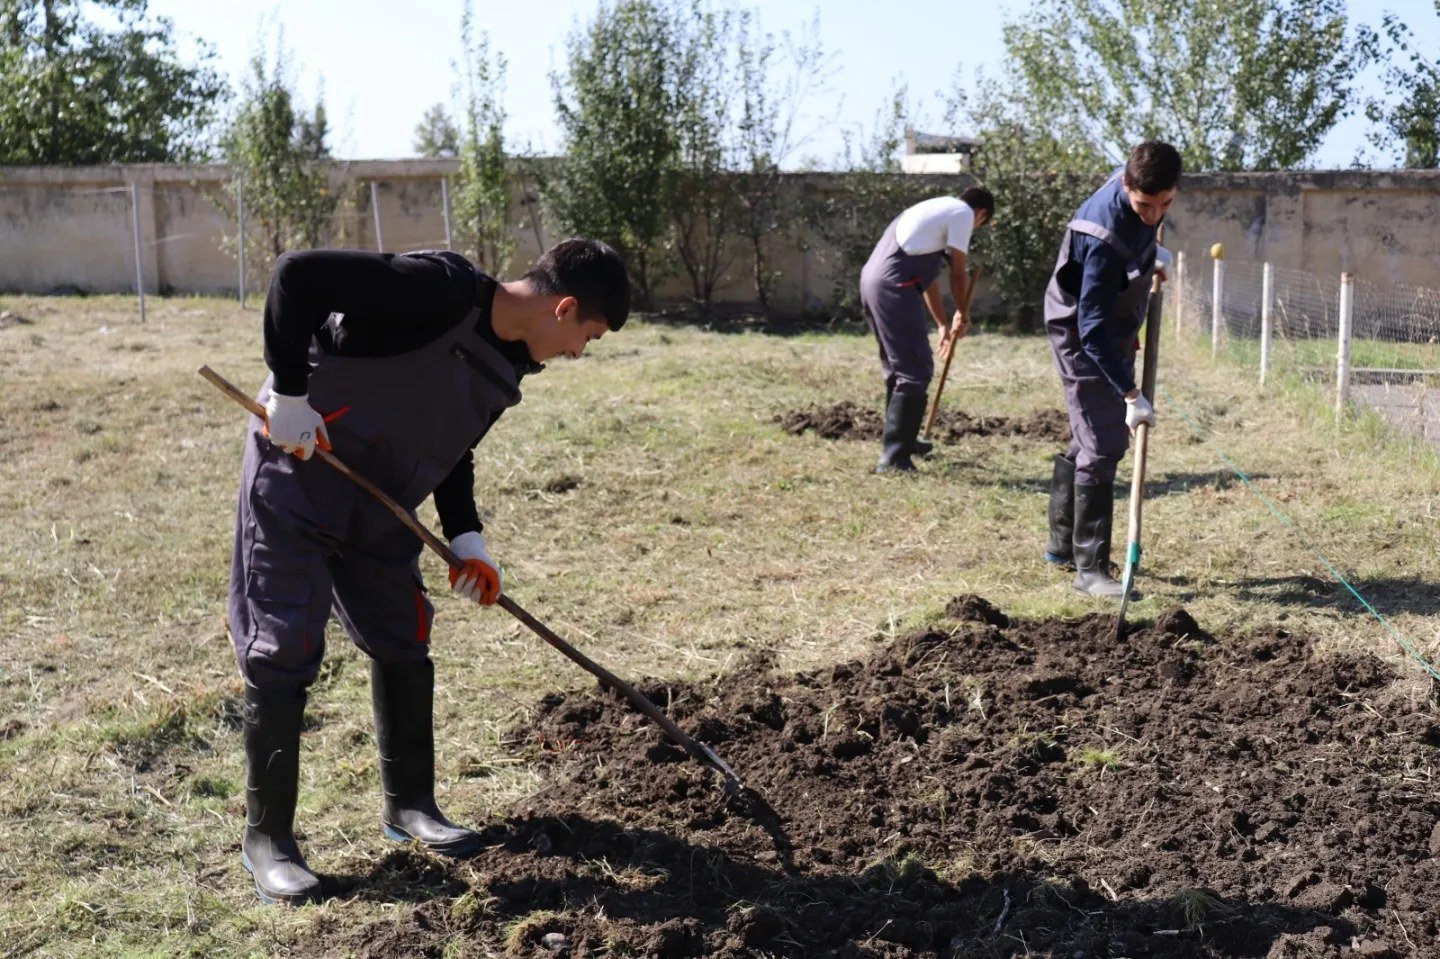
<point x="1094" y="518"/>
<point x="272" y="756"/>
<point x="923" y="447"/>
<point x="902" y="426"/>
<point x="403" y="695"/>
<point x="1060" y="549"/>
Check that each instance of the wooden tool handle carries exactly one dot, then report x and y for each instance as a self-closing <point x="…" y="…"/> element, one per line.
<point x="950" y="353"/>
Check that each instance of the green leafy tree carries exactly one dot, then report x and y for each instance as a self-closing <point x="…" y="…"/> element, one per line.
<point x="100" y="82"/>
<point x="436" y="135"/>
<point x="1040" y="171"/>
<point x="277" y="152"/>
<point x="852" y="213"/>
<point x="1409" y="118"/>
<point x="1238" y="85"/>
<point x="482" y="188"/>
<point x="616" y="114"/>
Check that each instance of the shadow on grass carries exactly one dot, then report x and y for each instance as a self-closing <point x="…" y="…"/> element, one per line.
<point x="1165" y="484"/>
<point x="739" y="318"/>
<point x="1390" y="595"/>
<point x="591" y="881"/>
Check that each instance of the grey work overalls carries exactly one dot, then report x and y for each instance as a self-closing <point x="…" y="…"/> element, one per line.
<point x="892" y="285"/>
<point x="306" y="536"/>
<point x="1099" y="436"/>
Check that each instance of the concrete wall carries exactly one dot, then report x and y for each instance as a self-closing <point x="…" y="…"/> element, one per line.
<point x="70" y="229"/>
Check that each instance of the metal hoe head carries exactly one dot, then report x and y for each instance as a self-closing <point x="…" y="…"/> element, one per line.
<point x="1132" y="562"/>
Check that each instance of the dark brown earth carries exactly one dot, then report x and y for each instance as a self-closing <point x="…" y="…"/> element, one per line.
<point x="982" y="788"/>
<point x="851" y="422"/>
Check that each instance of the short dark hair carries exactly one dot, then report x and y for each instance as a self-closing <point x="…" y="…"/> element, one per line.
<point x="589" y="270"/>
<point x="1153" y="167"/>
<point x="978" y="198"/>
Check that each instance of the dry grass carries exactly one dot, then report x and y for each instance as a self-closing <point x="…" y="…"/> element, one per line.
<point x="643" y="503"/>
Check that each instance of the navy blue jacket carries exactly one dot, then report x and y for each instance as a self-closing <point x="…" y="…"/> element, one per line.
<point x="1103" y="278"/>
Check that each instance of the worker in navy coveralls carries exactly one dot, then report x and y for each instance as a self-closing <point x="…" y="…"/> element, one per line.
<point x="899" y="284"/>
<point x="1094" y="308"/>
<point x="400" y="364"/>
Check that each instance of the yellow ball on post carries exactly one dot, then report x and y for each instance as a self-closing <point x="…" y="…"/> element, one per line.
<point x="1218" y="251"/>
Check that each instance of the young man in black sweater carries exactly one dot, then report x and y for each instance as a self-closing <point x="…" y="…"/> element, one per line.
<point x="400" y="364"/>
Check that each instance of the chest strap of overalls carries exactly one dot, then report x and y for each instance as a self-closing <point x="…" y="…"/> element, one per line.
<point x="1133" y="269"/>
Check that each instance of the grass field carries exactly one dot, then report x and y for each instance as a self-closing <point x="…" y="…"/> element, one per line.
<point x="644" y="503"/>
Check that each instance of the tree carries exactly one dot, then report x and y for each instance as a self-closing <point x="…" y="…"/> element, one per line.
<point x="1040" y="171"/>
<point x="436" y="135"/>
<point x="616" y="115"/>
<point x="766" y="131"/>
<point x="698" y="189"/>
<point x="1238" y="85"/>
<point x="851" y="215"/>
<point x="482" y="189"/>
<point x="1410" y="118"/>
<point x="275" y="151"/>
<point x="73" y="91"/>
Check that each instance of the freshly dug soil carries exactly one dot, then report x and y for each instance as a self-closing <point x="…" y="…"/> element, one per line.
<point x="987" y="787"/>
<point x="848" y="421"/>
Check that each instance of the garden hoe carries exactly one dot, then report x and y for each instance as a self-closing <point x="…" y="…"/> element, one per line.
<point x="1142" y="445"/>
<point x="949" y="353"/>
<point x="697" y="750"/>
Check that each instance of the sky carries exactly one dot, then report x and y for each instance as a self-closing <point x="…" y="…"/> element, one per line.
<point x="380" y="65"/>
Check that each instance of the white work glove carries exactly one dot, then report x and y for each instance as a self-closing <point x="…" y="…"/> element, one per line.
<point x="1139" y="410"/>
<point x="479" y="578"/>
<point x="293" y="425"/>
<point x="1163" y="259"/>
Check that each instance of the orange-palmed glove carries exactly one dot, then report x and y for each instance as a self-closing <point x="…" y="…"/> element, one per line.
<point x="479" y="577"/>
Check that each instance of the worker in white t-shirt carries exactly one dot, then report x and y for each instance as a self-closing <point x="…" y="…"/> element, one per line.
<point x="898" y="286"/>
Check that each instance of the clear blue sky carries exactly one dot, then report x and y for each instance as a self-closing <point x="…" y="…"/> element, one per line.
<point x="382" y="64"/>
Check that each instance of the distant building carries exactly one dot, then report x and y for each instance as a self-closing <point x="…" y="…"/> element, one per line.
<point x="938" y="153"/>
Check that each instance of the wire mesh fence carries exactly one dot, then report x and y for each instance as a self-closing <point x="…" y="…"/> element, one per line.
<point x="1375" y="345"/>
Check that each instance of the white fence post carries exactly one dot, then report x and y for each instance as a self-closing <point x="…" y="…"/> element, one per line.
<point x="1342" y="361"/>
<point x="135" y="227"/>
<point x="1267" y="294"/>
<point x="445" y="205"/>
<point x="1217" y="312"/>
<point x="1179" y="292"/>
<point x="240" y="215"/>
<point x="375" y="208"/>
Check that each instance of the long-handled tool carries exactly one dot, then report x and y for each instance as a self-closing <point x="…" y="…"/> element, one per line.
<point x="698" y="750"/>
<point x="950" y="350"/>
<point x="1142" y="446"/>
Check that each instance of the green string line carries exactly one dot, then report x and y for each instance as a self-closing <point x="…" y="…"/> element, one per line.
<point x="1305" y="540"/>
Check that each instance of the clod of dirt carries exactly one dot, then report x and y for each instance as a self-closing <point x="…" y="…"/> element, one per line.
<point x="974" y="609"/>
<point x="849" y="421"/>
<point x="1180" y="624"/>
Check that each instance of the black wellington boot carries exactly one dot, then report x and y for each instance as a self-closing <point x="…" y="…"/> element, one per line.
<point x="272" y="757"/>
<point x="902" y="426"/>
<point x="1094" y="518"/>
<point x="1060" y="549"/>
<point x="403" y="695"/>
<point x="922" y="446"/>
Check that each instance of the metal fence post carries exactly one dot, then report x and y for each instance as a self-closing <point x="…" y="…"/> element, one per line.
<point x="375" y="208"/>
<point x="1217" y="312"/>
<point x="240" y="215"/>
<point x="1267" y="294"/>
<point x="445" y="206"/>
<point x="1179" y="292"/>
<point x="1342" y="360"/>
<point x="135" y="227"/>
